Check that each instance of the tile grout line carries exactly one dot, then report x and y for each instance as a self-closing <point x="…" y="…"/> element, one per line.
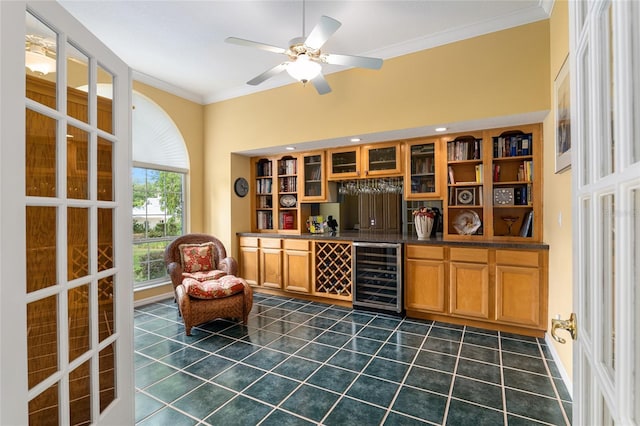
<point x="553" y="384"/>
<point x="453" y="378"/>
<point x="404" y="379"/>
<point x="359" y="373"/>
<point x="502" y="383"/>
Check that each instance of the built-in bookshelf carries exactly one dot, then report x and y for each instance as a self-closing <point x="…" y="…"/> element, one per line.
<point x="263" y="194"/>
<point x="493" y="184"/>
<point x="515" y="191"/>
<point x="465" y="185"/>
<point x="288" y="193"/>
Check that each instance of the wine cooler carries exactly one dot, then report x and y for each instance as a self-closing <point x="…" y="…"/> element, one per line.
<point x="377" y="276"/>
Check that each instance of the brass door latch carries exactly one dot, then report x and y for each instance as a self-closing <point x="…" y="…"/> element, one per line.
<point x="570" y="325"/>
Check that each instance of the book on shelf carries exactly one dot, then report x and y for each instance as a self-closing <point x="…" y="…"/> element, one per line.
<point x="496" y="172"/>
<point x="479" y="170"/>
<point x="264" y="220"/>
<point x="288" y="167"/>
<point x="263" y="186"/>
<point x="263" y="168"/>
<point x="452" y="178"/>
<point x="526" y="229"/>
<point x="464" y="150"/>
<point x="512" y="146"/>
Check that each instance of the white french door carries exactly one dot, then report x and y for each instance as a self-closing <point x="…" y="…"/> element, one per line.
<point x="605" y="67"/>
<point x="66" y="299"/>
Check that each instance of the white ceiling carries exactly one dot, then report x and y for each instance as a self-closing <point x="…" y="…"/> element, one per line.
<point x="179" y="46"/>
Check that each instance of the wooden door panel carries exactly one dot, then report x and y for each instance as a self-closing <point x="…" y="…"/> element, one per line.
<point x="425" y="287"/>
<point x="271" y="268"/>
<point x="469" y="290"/>
<point x="297" y="270"/>
<point x="249" y="264"/>
<point x="518" y="295"/>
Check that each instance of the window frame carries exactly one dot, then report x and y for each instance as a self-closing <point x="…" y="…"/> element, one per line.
<point x="141" y="285"/>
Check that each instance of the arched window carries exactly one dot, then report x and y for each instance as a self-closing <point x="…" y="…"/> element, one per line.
<point x="160" y="165"/>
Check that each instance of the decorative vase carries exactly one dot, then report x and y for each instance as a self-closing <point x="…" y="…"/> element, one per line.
<point x="423" y="226"/>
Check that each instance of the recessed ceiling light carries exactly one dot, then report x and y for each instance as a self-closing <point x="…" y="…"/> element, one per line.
<point x="355" y="139"/>
<point x="440" y="129"/>
<point x="290" y="148"/>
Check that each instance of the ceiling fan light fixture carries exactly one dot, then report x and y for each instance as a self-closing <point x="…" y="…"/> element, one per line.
<point x="303" y="68"/>
<point x="38" y="62"/>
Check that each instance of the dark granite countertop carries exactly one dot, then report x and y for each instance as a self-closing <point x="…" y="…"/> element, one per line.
<point x="388" y="237"/>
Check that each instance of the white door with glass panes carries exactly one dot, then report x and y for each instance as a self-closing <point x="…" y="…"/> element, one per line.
<point x="66" y="299"/>
<point x="605" y="70"/>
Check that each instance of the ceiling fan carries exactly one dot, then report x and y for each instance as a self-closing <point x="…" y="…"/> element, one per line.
<point x="306" y="58"/>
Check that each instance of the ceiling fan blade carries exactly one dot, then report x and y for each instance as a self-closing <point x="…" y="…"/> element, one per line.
<point x="268" y="74"/>
<point x="249" y="43"/>
<point x="321" y="84"/>
<point x="353" y="61"/>
<point x="321" y="32"/>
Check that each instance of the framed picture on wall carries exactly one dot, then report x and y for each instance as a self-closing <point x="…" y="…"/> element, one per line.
<point x="562" y="102"/>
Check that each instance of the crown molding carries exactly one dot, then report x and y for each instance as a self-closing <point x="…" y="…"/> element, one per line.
<point x="170" y="88"/>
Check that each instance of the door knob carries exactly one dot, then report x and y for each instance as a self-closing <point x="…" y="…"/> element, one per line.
<point x="570" y="325"/>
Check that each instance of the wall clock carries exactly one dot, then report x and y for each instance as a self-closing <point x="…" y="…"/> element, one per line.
<point x="465" y="196"/>
<point x="503" y="196"/>
<point x="241" y="187"/>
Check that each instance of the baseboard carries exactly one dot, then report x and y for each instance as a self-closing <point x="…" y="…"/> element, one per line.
<point x="152" y="299"/>
<point x="556" y="358"/>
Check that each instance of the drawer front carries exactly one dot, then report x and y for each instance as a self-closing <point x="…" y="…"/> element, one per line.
<point x="517" y="258"/>
<point x="469" y="255"/>
<point x="425" y="252"/>
<point x="275" y="243"/>
<point x="296" y="244"/>
<point x="249" y="241"/>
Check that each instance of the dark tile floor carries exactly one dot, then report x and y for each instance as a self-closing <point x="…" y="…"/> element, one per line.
<point x="305" y="363"/>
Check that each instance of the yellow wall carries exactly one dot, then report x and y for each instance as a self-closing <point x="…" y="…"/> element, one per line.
<point x="498" y="74"/>
<point x="557" y="195"/>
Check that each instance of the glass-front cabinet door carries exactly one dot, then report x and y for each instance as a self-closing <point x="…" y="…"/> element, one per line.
<point x="313" y="176"/>
<point x="383" y="159"/>
<point x="344" y="162"/>
<point x="421" y="172"/>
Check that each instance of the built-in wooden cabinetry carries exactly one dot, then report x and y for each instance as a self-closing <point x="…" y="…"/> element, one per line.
<point x="497" y="288"/>
<point x="270" y="263"/>
<point x="425" y="268"/>
<point x="297" y="265"/>
<point x="376" y="160"/>
<point x="489" y="181"/>
<point x="276" y="203"/>
<point x="294" y="266"/>
<point x="494" y="184"/>
<point x="314" y="178"/>
<point x="422" y="166"/>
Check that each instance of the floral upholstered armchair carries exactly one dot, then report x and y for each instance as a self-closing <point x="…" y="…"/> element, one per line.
<point x="204" y="281"/>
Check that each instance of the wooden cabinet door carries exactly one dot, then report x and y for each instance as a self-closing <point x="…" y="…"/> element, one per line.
<point x="518" y="295"/>
<point x="423" y="169"/>
<point x="249" y="264"/>
<point x="313" y="178"/>
<point x="297" y="270"/>
<point x="469" y="289"/>
<point x="344" y="162"/>
<point x="271" y="267"/>
<point x="425" y="286"/>
<point x="382" y="159"/>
